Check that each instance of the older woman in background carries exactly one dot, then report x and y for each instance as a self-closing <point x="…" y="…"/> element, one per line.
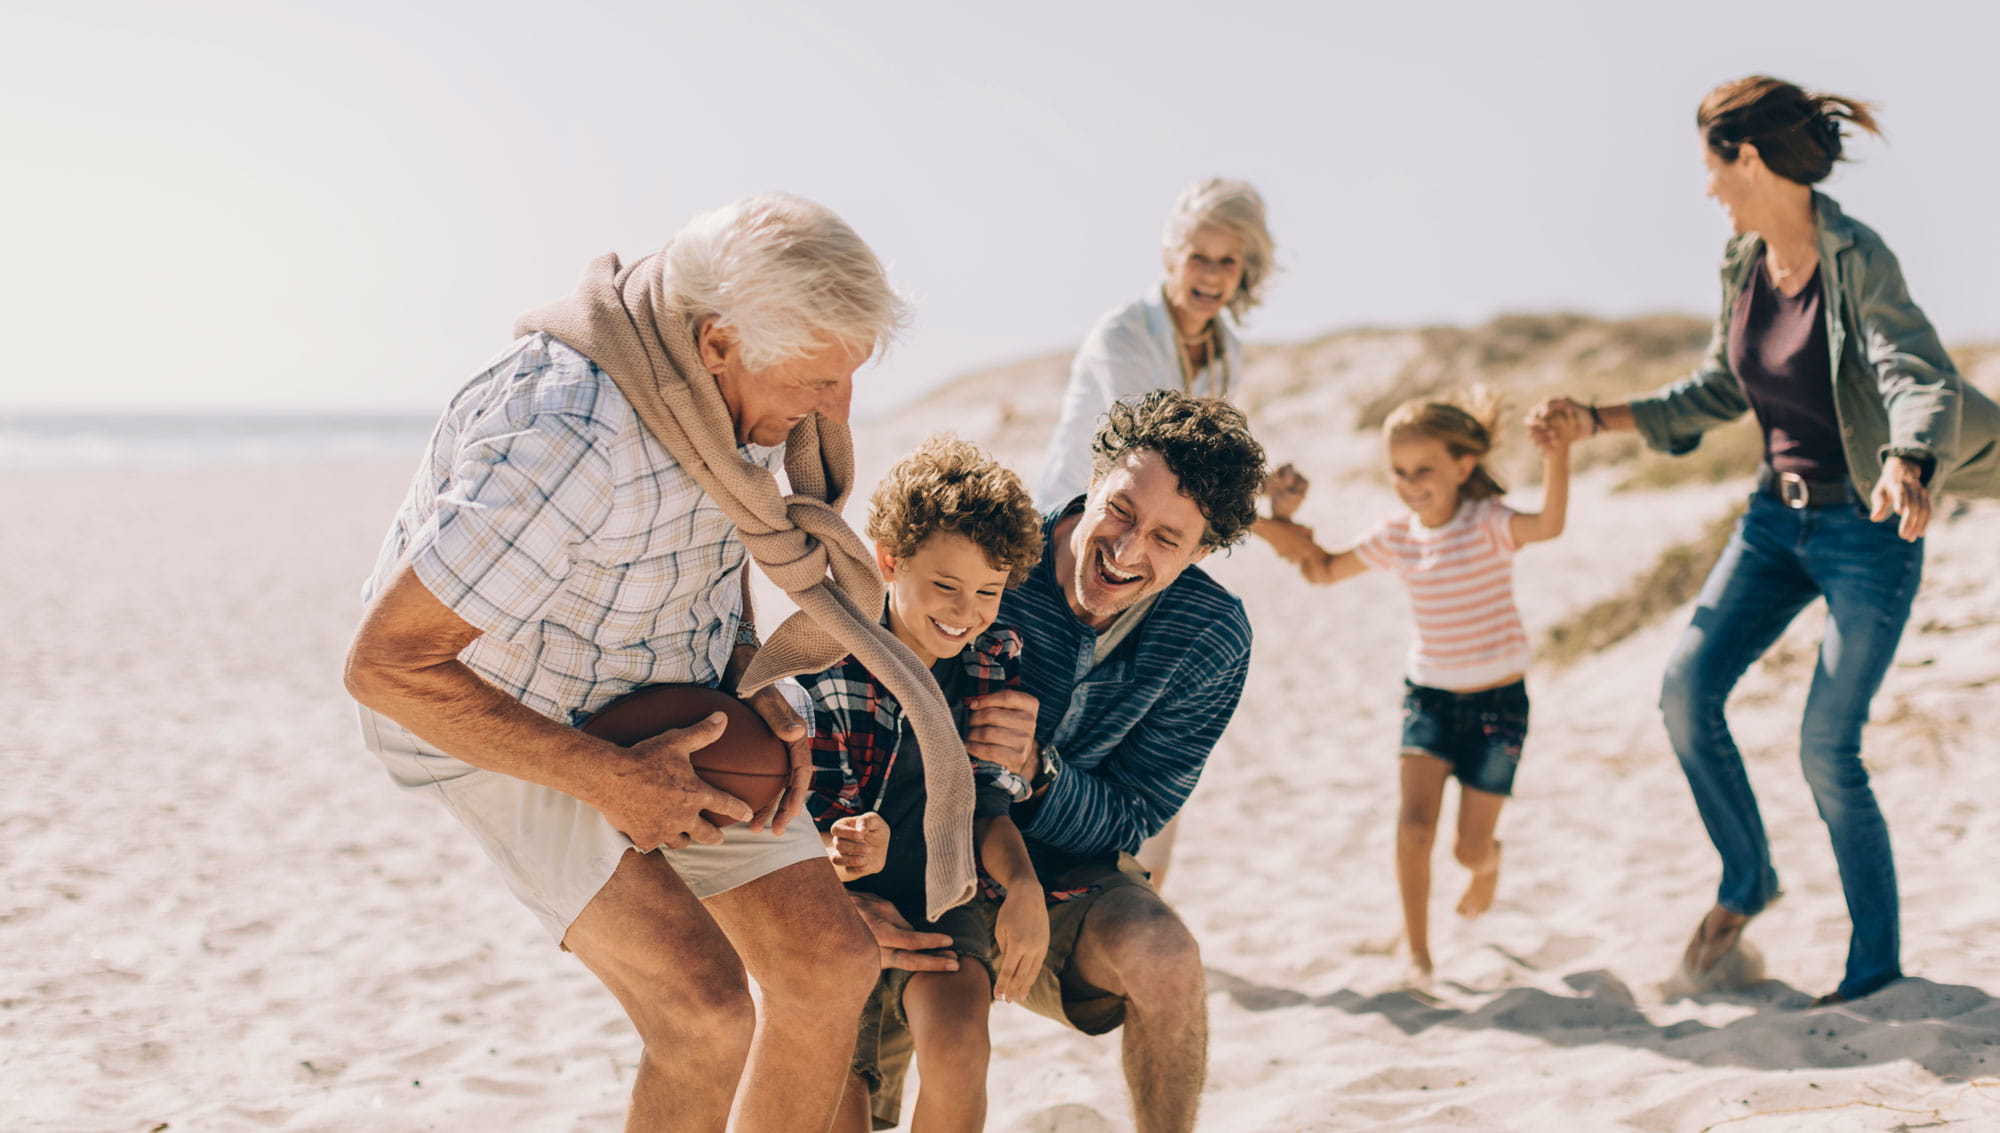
<point x="1180" y="335"/>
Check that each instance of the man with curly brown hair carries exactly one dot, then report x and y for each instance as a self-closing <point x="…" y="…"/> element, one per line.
<point x="1133" y="664"/>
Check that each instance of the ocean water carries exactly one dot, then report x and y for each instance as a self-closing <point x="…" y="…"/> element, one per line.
<point x="37" y="439"/>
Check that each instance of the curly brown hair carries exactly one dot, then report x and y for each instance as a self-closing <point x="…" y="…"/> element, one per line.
<point x="1207" y="445"/>
<point x="950" y="486"/>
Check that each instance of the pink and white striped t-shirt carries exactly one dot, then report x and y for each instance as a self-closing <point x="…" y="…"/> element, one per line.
<point x="1461" y="582"/>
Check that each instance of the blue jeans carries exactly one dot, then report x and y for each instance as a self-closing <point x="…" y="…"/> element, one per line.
<point x="1777" y="562"/>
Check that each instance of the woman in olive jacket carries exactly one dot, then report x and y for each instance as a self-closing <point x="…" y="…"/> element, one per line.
<point x="1865" y="419"/>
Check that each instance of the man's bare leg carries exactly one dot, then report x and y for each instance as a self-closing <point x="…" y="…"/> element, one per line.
<point x="815" y="963"/>
<point x="1476" y="849"/>
<point x="650" y="942"/>
<point x="948" y="1024"/>
<point x="1423" y="778"/>
<point x="1134" y="946"/>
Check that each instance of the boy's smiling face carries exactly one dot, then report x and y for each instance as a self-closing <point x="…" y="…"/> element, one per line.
<point x="942" y="594"/>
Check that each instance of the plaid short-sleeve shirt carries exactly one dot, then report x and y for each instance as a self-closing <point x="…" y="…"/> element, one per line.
<point x="546" y="515"/>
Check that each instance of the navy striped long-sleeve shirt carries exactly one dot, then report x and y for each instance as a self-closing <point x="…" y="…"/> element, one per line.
<point x="1133" y="733"/>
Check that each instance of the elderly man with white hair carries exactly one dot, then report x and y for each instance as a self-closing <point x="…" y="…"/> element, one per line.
<point x="578" y="529"/>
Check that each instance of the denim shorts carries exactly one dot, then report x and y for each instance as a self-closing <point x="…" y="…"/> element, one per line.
<point x="1478" y="733"/>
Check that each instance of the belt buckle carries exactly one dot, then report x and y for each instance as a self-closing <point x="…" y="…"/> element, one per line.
<point x="1793" y="490"/>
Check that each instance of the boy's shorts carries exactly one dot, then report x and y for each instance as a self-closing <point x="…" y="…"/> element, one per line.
<point x="555" y="851"/>
<point x="1479" y="733"/>
<point x="884" y="1045"/>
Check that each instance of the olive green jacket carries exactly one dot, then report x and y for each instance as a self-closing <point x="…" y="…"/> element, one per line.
<point x="1895" y="391"/>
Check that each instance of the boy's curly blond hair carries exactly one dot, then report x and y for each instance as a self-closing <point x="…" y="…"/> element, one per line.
<point x="949" y="485"/>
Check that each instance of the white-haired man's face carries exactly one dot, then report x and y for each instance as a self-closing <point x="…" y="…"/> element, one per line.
<point x="766" y="403"/>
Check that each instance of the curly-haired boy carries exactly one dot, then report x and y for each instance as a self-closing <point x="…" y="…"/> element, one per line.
<point x="952" y="529"/>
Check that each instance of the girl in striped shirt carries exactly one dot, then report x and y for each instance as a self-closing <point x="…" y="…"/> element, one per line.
<point x="1465" y="702"/>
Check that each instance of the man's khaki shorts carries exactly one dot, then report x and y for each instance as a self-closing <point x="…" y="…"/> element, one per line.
<point x="1058" y="992"/>
<point x="556" y="852"/>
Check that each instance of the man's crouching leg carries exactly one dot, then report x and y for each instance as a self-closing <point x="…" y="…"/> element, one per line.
<point x="815" y="963"/>
<point x="1133" y="946"/>
<point x="648" y="939"/>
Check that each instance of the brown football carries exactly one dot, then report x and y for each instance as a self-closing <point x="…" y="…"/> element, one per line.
<point x="748" y="761"/>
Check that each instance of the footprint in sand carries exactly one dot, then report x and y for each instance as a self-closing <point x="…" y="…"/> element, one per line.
<point x="227" y="939"/>
<point x="434" y="1057"/>
<point x="143" y="1058"/>
<point x="1064" y="1119"/>
<point x="495" y="1086"/>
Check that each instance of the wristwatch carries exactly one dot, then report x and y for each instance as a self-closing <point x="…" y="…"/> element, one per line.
<point x="1049" y="772"/>
<point x="746" y="633"/>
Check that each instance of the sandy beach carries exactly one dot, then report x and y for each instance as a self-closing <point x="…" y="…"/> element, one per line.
<point x="219" y="915"/>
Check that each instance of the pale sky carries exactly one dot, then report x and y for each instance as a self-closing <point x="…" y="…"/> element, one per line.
<point x="289" y="205"/>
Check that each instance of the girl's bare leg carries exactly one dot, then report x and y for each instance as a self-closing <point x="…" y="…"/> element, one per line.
<point x="1423" y="778"/>
<point x="1476" y="849"/>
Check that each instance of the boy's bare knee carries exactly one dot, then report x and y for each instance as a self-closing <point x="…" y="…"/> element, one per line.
<point x="1416" y="829"/>
<point x="948" y="1009"/>
<point x="953" y="1050"/>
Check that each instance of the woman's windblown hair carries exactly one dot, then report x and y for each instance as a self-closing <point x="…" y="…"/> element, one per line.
<point x="1796" y="133"/>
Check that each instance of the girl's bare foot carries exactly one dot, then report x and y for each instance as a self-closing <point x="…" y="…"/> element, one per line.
<point x="1417" y="977"/>
<point x="1479" y="894"/>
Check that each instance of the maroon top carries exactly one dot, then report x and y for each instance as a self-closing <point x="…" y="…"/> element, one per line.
<point x="1778" y="351"/>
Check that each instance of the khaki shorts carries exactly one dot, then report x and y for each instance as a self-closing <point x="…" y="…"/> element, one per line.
<point x="556" y="852"/>
<point x="1058" y="992"/>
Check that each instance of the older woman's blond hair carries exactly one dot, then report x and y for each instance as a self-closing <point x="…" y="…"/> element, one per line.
<point x="785" y="275"/>
<point x="1236" y="208"/>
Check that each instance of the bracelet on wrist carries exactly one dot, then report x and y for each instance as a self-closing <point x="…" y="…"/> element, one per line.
<point x="1596" y="420"/>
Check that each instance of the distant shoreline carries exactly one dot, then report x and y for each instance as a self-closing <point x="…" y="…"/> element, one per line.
<point x="36" y="440"/>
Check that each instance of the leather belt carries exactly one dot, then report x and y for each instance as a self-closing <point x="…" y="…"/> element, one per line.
<point x="1797" y="492"/>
